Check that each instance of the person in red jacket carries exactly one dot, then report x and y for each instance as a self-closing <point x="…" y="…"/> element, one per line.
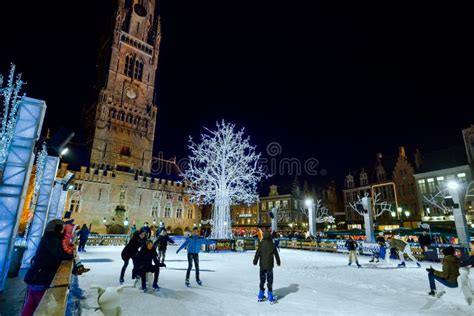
<point x="69" y="247"/>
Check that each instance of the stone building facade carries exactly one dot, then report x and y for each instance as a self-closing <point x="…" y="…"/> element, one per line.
<point x="110" y="202"/>
<point x="117" y="189"/>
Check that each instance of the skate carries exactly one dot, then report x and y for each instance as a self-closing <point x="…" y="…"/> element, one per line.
<point x="187" y="283"/>
<point x="121" y="281"/>
<point x="135" y="284"/>
<point x="372" y="260"/>
<point x="271" y="298"/>
<point x="358" y="265"/>
<point x="156" y="287"/>
<point x="402" y="265"/>
<point x="261" y="296"/>
<point x="418" y="265"/>
<point x="144" y="289"/>
<point x="199" y="282"/>
<point x="349" y="263"/>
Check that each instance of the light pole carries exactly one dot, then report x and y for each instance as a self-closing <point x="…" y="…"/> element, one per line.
<point x="457" y="204"/>
<point x="311" y="216"/>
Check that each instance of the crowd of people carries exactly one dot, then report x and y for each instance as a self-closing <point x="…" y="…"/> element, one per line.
<point x="57" y="244"/>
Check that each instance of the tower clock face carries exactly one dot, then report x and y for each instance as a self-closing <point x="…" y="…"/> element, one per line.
<point x="131" y="92"/>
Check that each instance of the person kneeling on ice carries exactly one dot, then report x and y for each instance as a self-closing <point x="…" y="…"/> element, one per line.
<point x="352" y="246"/>
<point x="450" y="273"/>
<point x="403" y="248"/>
<point x="144" y="260"/>
<point x="265" y="252"/>
<point x="193" y="245"/>
<point x="381" y="253"/>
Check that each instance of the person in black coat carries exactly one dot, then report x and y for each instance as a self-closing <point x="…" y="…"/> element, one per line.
<point x="425" y="241"/>
<point x="161" y="244"/>
<point x="352" y="245"/>
<point x="129" y="252"/>
<point x="44" y="265"/>
<point x="144" y="263"/>
<point x="266" y="253"/>
<point x="83" y="236"/>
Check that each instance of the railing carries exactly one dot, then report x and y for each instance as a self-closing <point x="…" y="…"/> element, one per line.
<point x="138" y="44"/>
<point x="107" y="240"/>
<point x="54" y="301"/>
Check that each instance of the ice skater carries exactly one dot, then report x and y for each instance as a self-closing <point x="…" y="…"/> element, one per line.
<point x="449" y="275"/>
<point x="130" y="251"/>
<point x="193" y="245"/>
<point x="352" y="246"/>
<point x="161" y="244"/>
<point x="403" y="248"/>
<point x="144" y="263"/>
<point x="265" y="252"/>
<point x="382" y="251"/>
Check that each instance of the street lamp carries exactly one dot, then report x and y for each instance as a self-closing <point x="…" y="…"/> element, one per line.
<point x="125" y="222"/>
<point x="453" y="185"/>
<point x="407" y="213"/>
<point x="399" y="209"/>
<point x="104" y="221"/>
<point x="154" y="222"/>
<point x="308" y="202"/>
<point x="394" y="214"/>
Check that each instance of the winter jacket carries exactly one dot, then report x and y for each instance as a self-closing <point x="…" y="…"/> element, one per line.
<point x="145" y="258"/>
<point x="424" y="241"/>
<point x="351" y="245"/>
<point x="265" y="252"/>
<point x="380" y="240"/>
<point x="398" y="244"/>
<point x="83" y="234"/>
<point x="68" y="240"/>
<point x="147" y="231"/>
<point x="450" y="269"/>
<point x="47" y="259"/>
<point x="131" y="249"/>
<point x="193" y="244"/>
<point x="162" y="242"/>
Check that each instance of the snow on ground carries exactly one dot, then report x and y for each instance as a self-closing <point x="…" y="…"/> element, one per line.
<point x="307" y="283"/>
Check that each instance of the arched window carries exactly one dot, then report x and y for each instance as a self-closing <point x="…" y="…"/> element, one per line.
<point x="129" y="64"/>
<point x="129" y="118"/>
<point x="121" y="115"/>
<point x="113" y="113"/>
<point x="168" y="210"/>
<point x="190" y="213"/>
<point x="140" y="70"/>
<point x="179" y="212"/>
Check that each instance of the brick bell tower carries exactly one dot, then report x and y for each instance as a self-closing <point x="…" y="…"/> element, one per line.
<point x="121" y="124"/>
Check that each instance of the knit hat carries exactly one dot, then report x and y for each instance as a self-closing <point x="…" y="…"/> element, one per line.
<point x="55" y="225"/>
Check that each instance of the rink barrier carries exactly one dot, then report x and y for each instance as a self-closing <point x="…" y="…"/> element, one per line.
<point x="54" y="300"/>
<point x="338" y="245"/>
<point x="107" y="240"/>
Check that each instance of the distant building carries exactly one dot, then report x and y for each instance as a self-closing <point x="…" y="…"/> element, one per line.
<point x="396" y="187"/>
<point x="440" y="167"/>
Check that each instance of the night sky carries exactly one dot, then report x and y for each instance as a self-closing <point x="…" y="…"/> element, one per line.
<point x="337" y="84"/>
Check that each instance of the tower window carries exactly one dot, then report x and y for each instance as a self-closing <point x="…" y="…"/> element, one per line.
<point x="125" y="151"/>
<point x="129" y="64"/>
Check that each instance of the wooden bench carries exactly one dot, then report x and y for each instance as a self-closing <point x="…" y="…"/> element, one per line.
<point x="54" y="301"/>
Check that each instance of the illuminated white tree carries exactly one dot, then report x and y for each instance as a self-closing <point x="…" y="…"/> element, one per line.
<point x="223" y="170"/>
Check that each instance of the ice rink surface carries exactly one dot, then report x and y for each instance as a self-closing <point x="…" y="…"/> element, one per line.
<point x="307" y="283"/>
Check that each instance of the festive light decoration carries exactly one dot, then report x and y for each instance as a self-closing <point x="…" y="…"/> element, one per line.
<point x="223" y="170"/>
<point x="11" y="102"/>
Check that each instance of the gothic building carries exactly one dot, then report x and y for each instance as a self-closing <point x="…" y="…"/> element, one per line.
<point x="395" y="186"/>
<point x="117" y="189"/>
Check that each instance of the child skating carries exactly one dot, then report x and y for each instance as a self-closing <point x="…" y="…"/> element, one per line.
<point x="193" y="246"/>
<point x="265" y="253"/>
